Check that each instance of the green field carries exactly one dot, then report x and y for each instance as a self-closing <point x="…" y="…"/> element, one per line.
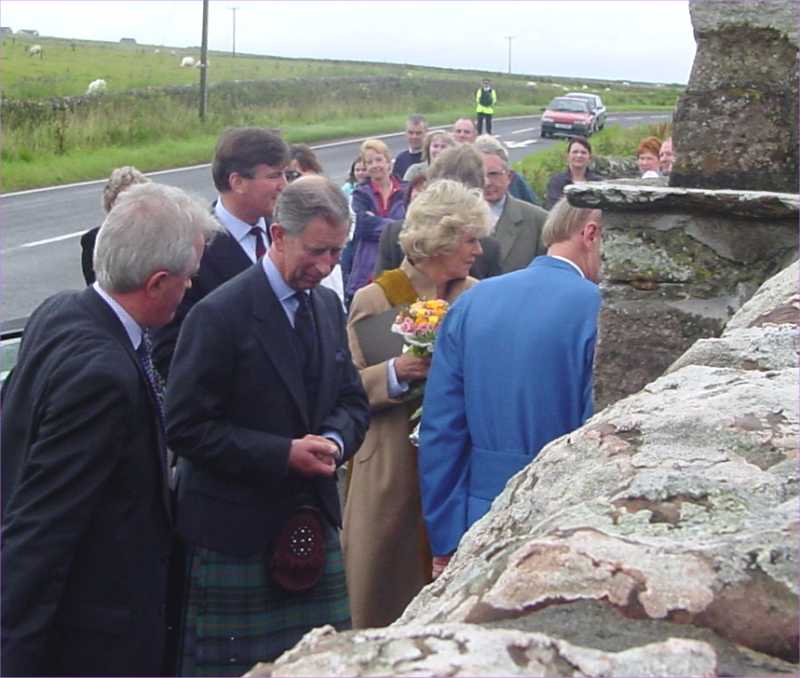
<point x="149" y="115"/>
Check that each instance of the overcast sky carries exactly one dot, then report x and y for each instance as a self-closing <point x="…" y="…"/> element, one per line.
<point x="649" y="40"/>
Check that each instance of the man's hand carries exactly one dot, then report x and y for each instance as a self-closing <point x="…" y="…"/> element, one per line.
<point x="439" y="564"/>
<point x="312" y="456"/>
<point x="410" y="368"/>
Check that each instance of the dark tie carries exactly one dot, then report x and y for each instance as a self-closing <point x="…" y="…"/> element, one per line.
<point x="307" y="346"/>
<point x="258" y="233"/>
<point x="145" y="354"/>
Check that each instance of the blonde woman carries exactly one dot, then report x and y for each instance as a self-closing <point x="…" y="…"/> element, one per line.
<point x="375" y="203"/>
<point x="387" y="557"/>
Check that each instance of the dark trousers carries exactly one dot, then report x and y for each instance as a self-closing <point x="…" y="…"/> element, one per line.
<point x="488" y="118"/>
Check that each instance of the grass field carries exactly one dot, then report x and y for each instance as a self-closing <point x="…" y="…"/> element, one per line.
<point x="149" y="116"/>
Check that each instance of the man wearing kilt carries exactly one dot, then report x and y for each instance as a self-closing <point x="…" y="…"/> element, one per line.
<point x="263" y="403"/>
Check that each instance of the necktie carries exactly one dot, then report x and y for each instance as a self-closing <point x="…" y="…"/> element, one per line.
<point x="258" y="234"/>
<point x="305" y="328"/>
<point x="145" y="354"/>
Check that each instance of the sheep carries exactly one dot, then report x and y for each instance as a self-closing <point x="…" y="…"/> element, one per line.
<point x="35" y="50"/>
<point x="187" y="62"/>
<point x="531" y="83"/>
<point x="156" y="51"/>
<point x="96" y="87"/>
<point x="173" y="52"/>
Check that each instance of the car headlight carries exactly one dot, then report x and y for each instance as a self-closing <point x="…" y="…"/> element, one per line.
<point x="547" y="118"/>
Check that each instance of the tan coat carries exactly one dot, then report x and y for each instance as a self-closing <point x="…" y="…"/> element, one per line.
<point x="387" y="557"/>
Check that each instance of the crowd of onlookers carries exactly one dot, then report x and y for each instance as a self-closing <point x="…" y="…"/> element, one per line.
<point x="173" y="434"/>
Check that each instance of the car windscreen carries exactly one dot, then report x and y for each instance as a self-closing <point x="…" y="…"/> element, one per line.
<point x="568" y="105"/>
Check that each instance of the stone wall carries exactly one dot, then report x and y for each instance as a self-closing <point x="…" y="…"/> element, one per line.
<point x="736" y="126"/>
<point x="677" y="263"/>
<point x="660" y="539"/>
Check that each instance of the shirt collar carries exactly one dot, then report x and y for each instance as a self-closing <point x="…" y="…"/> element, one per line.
<point x="132" y="328"/>
<point x="238" y="229"/>
<point x="276" y="281"/>
<point x="570" y="262"/>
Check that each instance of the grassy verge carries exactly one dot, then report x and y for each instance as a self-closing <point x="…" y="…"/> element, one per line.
<point x="83" y="164"/>
<point x="613" y="140"/>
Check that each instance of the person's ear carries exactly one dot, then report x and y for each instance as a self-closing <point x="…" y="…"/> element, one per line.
<point x="236" y="182"/>
<point x="155" y="282"/>
<point x="278" y="236"/>
<point x="590" y="232"/>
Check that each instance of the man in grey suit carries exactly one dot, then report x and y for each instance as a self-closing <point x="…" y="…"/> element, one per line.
<point x="518" y="224"/>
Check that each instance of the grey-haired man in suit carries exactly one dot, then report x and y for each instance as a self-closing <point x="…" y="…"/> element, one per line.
<point x="518" y="224"/>
<point x="87" y="518"/>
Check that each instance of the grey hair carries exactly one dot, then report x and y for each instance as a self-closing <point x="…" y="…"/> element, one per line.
<point x="488" y="144"/>
<point x="307" y="199"/>
<point x="416" y="119"/>
<point x="120" y="179"/>
<point x="461" y="163"/>
<point x="565" y="220"/>
<point x="439" y="216"/>
<point x="151" y="228"/>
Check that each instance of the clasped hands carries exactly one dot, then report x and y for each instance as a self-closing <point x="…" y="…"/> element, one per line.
<point x="313" y="455"/>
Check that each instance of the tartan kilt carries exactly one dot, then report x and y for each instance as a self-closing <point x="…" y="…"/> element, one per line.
<point x="235" y="617"/>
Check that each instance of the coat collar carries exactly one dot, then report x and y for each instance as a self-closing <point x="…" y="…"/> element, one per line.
<point x="426" y="288"/>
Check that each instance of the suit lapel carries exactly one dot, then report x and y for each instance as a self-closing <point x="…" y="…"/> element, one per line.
<point x="274" y="333"/>
<point x="108" y="319"/>
<point x="507" y="228"/>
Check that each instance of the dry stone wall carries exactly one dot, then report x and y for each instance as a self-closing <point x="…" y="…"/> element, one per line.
<point x="677" y="263"/>
<point x="659" y="539"/>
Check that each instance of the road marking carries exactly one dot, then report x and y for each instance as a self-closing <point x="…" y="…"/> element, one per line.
<point x="47" y="241"/>
<point x="520" y="144"/>
<point x="332" y="144"/>
<point x="526" y="129"/>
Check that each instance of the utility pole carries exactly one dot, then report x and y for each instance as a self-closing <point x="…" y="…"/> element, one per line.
<point x="204" y="64"/>
<point x="509" y="38"/>
<point x="233" y="9"/>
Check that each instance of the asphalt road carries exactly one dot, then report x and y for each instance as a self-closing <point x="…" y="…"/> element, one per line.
<point x="41" y="228"/>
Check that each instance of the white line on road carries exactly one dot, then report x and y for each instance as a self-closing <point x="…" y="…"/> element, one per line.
<point x="332" y="144"/>
<point x="525" y="129"/>
<point x="47" y="241"/>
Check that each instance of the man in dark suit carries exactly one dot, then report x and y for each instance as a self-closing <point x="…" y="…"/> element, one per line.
<point x="263" y="404"/>
<point x="86" y="522"/>
<point x="249" y="172"/>
<point x="461" y="163"/>
<point x="518" y="224"/>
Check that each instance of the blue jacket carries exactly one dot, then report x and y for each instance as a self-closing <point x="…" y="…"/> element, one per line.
<point x="502" y="385"/>
<point x="368" y="231"/>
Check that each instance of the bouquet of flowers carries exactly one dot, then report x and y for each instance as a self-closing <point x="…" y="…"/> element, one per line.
<point x="418" y="325"/>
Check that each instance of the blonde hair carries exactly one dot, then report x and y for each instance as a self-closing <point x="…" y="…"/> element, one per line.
<point x="440" y="216"/>
<point x="564" y="221"/>
<point x="121" y="179"/>
<point x="375" y="145"/>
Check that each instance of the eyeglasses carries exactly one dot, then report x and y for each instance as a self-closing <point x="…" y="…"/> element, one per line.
<point x="288" y="175"/>
<point x="497" y="174"/>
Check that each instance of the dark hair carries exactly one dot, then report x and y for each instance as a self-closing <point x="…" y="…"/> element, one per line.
<point x="305" y="157"/>
<point x="583" y="141"/>
<point x="241" y="149"/>
<point x="420" y="179"/>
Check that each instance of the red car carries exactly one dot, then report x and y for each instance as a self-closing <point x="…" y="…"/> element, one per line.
<point x="567" y="117"/>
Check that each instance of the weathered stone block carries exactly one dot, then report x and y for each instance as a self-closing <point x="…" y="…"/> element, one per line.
<point x="736" y="126"/>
